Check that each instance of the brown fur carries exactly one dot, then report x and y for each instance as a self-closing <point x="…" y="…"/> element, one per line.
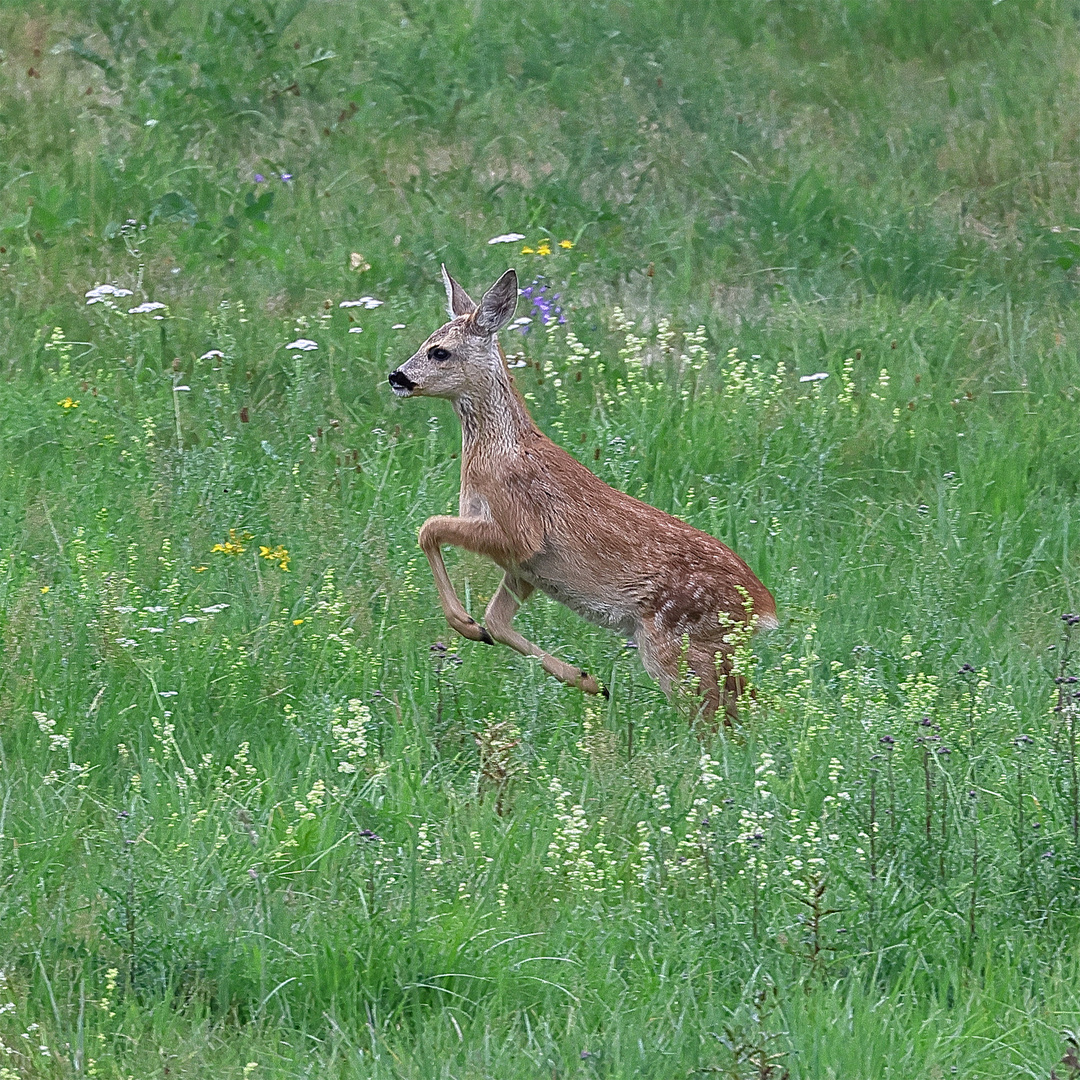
<point x="551" y="524"/>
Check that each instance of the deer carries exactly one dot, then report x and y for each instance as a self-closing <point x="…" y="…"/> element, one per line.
<point x="553" y="525"/>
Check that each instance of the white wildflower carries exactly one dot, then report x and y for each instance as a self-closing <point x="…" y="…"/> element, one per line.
<point x="708" y="766"/>
<point x="101" y="294"/>
<point x="351" y="736"/>
<point x="48" y="727"/>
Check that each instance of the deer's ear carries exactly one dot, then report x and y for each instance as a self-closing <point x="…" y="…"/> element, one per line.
<point x="498" y="304"/>
<point x="458" y="301"/>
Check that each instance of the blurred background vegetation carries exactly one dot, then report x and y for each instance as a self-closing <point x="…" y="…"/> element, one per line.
<point x="745" y="150"/>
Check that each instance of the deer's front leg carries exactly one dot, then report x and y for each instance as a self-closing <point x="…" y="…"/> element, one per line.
<point x="473" y="534"/>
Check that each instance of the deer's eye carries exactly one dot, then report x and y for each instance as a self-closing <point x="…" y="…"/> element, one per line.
<point x="439" y="354"/>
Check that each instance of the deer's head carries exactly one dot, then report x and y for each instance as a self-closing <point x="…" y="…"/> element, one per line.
<point x="461" y="355"/>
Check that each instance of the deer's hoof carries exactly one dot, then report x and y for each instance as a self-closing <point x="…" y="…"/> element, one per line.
<point x="479" y="633"/>
<point x="473" y="631"/>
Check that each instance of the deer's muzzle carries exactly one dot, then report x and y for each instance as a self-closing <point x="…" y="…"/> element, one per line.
<point x="400" y="383"/>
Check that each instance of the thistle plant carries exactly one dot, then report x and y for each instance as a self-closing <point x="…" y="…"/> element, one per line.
<point x="1020" y="745"/>
<point x="498" y="742"/>
<point x="749" y="1040"/>
<point x="1067" y="709"/>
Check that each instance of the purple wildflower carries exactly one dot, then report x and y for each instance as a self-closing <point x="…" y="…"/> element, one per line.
<point x="545" y="307"/>
<point x="286" y="177"/>
<point x="259" y="178"/>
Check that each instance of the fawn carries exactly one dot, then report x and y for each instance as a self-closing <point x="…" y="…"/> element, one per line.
<point x="552" y="525"/>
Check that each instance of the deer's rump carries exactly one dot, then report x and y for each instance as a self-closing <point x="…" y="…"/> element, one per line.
<point x="619" y="562"/>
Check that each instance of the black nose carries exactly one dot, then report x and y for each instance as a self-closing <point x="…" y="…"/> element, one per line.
<point x="399" y="381"/>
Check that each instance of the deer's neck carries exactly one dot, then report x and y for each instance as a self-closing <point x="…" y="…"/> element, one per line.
<point x="494" y="420"/>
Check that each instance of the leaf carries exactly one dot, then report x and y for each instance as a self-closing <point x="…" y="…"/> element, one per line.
<point x="83" y="52"/>
<point x="41" y="217"/>
<point x="16" y="224"/>
<point x="321" y="57"/>
<point x="171" y="207"/>
<point x="289" y="12"/>
<point x="257" y="209"/>
<point x="256" y="30"/>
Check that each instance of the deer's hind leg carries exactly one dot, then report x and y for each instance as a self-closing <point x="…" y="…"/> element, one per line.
<point x="499" y="617"/>
<point x="719" y="686"/>
<point x="660" y="652"/>
<point x="703" y="661"/>
<point x="689" y="671"/>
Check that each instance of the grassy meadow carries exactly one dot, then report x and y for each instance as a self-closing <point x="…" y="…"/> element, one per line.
<point x="262" y="815"/>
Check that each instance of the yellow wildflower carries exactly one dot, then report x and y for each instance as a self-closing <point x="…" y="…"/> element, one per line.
<point x="234" y="545"/>
<point x="297" y="622"/>
<point x="566" y="243"/>
<point x="277" y="554"/>
<point x="45" y="588"/>
<point x="67" y="403"/>
<point x="527" y="251"/>
<point x="200" y="569"/>
<point x="229" y="548"/>
<point x="544" y="248"/>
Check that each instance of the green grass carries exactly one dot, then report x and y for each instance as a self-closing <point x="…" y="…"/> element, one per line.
<point x="249" y="816"/>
